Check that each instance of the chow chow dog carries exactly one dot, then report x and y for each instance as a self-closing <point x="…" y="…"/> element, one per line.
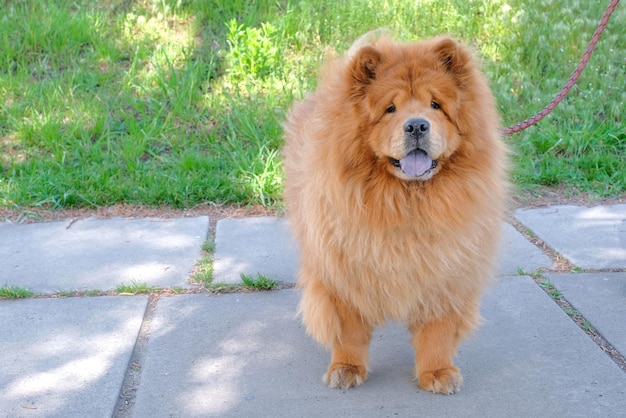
<point x="395" y="185"/>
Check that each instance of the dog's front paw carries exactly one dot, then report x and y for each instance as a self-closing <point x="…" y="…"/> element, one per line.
<point x="446" y="381"/>
<point x="345" y="376"/>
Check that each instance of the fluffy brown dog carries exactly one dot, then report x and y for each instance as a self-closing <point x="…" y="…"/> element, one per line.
<point x="395" y="186"/>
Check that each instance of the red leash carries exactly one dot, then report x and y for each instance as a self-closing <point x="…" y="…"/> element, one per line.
<point x="573" y="78"/>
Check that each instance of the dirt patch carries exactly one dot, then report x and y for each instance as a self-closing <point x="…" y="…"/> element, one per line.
<point x="127" y="211"/>
<point x="539" y="197"/>
<point x="549" y="196"/>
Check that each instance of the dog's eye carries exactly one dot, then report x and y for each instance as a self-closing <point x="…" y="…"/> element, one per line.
<point x="434" y="105"/>
<point x="390" y="109"/>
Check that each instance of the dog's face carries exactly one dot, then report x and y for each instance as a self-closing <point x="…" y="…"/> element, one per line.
<point x="411" y="97"/>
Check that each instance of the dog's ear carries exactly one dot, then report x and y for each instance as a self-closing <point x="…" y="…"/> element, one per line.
<point x="364" y="65"/>
<point x="454" y="58"/>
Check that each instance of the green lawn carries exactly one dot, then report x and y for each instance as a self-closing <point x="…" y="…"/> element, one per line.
<point x="180" y="102"/>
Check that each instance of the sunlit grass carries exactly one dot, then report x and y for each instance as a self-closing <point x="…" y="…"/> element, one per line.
<point x="259" y="282"/>
<point x="163" y="102"/>
<point x="135" y="288"/>
<point x="14" y="292"/>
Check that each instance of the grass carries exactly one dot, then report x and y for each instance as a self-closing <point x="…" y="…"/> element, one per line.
<point x="549" y="288"/>
<point x="74" y="293"/>
<point x="14" y="292"/>
<point x="258" y="283"/>
<point x="135" y="288"/>
<point x="203" y="271"/>
<point x="177" y="103"/>
<point x="572" y="312"/>
<point x="255" y="284"/>
<point x="203" y="275"/>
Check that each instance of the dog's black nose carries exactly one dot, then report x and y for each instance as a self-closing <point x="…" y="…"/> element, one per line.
<point x="417" y="126"/>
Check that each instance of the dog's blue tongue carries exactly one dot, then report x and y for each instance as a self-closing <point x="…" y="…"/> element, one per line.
<point x="416" y="163"/>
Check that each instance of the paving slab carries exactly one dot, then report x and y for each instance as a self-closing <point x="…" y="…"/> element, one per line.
<point x="248" y="355"/>
<point x="252" y="246"/>
<point x="589" y="237"/>
<point x="518" y="254"/>
<point x="100" y="253"/>
<point x="66" y="357"/>
<point x="601" y="298"/>
<point x="265" y="246"/>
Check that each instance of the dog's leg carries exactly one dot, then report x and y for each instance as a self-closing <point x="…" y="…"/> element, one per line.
<point x="348" y="366"/>
<point x="338" y="327"/>
<point x="435" y="345"/>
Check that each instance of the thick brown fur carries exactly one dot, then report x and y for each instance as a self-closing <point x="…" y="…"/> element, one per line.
<point x="377" y="244"/>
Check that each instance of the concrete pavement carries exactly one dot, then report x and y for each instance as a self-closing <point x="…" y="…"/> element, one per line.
<point x="246" y="354"/>
<point x="92" y="254"/>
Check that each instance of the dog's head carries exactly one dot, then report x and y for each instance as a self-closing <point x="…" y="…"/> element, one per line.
<point x="410" y="95"/>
